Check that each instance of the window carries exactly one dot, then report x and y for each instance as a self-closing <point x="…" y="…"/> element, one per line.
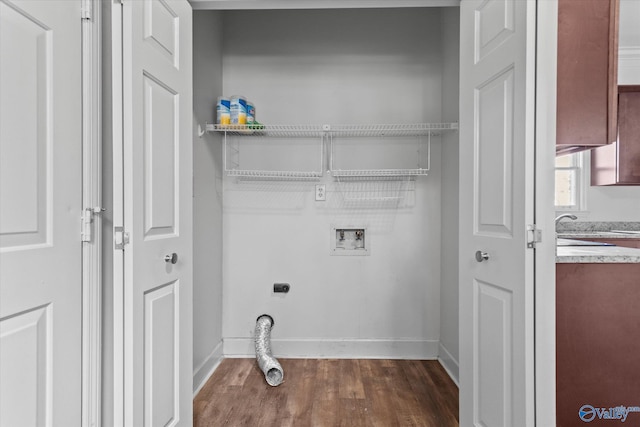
<point x="570" y="182"/>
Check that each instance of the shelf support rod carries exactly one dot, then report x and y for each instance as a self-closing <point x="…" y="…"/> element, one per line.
<point x="429" y="152"/>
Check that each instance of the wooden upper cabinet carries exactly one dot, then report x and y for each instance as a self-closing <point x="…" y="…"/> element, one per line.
<point x="587" y="74"/>
<point x="619" y="163"/>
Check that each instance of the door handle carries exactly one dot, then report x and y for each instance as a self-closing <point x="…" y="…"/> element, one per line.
<point x="481" y="256"/>
<point x="172" y="258"/>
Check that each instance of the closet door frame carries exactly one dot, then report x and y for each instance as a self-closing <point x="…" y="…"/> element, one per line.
<point x="545" y="298"/>
<point x="545" y="129"/>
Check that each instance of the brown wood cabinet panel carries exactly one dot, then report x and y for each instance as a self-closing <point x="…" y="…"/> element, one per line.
<point x="619" y="163"/>
<point x="622" y="242"/>
<point x="597" y="345"/>
<point x="587" y="74"/>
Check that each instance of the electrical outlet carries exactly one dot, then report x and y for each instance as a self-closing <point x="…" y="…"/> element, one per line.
<point x="281" y="287"/>
<point x="321" y="192"/>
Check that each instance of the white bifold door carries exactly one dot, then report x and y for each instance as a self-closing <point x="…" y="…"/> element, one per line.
<point x="497" y="64"/>
<point x="157" y="212"/>
<point x="40" y="209"/>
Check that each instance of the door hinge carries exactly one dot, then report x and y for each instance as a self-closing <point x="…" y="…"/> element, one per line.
<point x="534" y="235"/>
<point x="120" y="238"/>
<point x="87" y="221"/>
<point x="86" y="11"/>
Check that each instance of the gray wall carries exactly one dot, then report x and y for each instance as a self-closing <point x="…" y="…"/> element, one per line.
<point x="347" y="66"/>
<point x="207" y="197"/>
<point x="449" y="349"/>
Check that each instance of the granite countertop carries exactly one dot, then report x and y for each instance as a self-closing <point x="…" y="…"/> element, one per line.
<point x="595" y="229"/>
<point x="598" y="254"/>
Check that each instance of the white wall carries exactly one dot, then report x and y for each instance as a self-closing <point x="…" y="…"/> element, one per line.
<point x="449" y="348"/>
<point x="629" y="42"/>
<point x="311" y="67"/>
<point x="348" y="66"/>
<point x="207" y="197"/>
<point x="610" y="203"/>
<point x="629" y="28"/>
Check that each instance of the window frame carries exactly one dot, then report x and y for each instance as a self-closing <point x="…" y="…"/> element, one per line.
<point x="578" y="164"/>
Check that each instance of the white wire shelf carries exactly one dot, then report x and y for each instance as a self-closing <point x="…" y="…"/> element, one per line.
<point x="233" y="135"/>
<point x="274" y="131"/>
<point x="276" y="175"/>
<point x="391" y="130"/>
<point x="359" y="131"/>
<point x="374" y="199"/>
<point x="379" y="173"/>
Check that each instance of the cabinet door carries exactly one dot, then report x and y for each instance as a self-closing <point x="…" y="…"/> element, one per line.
<point x="597" y="358"/>
<point x="619" y="163"/>
<point x="587" y="74"/>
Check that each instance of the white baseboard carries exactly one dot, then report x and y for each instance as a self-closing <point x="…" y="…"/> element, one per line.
<point x="202" y="373"/>
<point x="449" y="364"/>
<point x="343" y="349"/>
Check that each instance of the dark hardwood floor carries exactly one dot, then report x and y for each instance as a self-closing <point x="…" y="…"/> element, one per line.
<point x="329" y="392"/>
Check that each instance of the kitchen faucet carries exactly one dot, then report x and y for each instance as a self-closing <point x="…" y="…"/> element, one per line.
<point x="570" y="216"/>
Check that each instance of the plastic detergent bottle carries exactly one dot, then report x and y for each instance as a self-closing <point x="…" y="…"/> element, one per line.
<point x="251" y="113"/>
<point x="223" y="111"/>
<point x="238" y="110"/>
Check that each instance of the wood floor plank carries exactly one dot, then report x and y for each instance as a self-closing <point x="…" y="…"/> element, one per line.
<point x="301" y="400"/>
<point x="329" y="393"/>
<point x="351" y="389"/>
<point x="437" y="378"/>
<point x="379" y="391"/>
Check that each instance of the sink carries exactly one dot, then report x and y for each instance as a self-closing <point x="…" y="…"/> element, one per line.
<point x="572" y="242"/>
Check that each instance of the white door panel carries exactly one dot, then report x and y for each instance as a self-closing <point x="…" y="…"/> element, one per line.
<point x="161" y="30"/>
<point x="160" y="155"/>
<point x="493" y="175"/>
<point x="162" y="356"/>
<point x="157" y="212"/>
<point x="40" y="208"/>
<point x="494" y="24"/>
<point x="496" y="204"/>
<point x="25" y="353"/>
<point x="493" y="354"/>
<point x="25" y="212"/>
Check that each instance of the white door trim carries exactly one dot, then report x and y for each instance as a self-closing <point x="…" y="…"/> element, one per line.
<point x="117" y="138"/>
<point x="545" y="272"/>
<point x="91" y="203"/>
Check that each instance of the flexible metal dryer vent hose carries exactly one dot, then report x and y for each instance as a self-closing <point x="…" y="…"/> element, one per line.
<point x="272" y="370"/>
